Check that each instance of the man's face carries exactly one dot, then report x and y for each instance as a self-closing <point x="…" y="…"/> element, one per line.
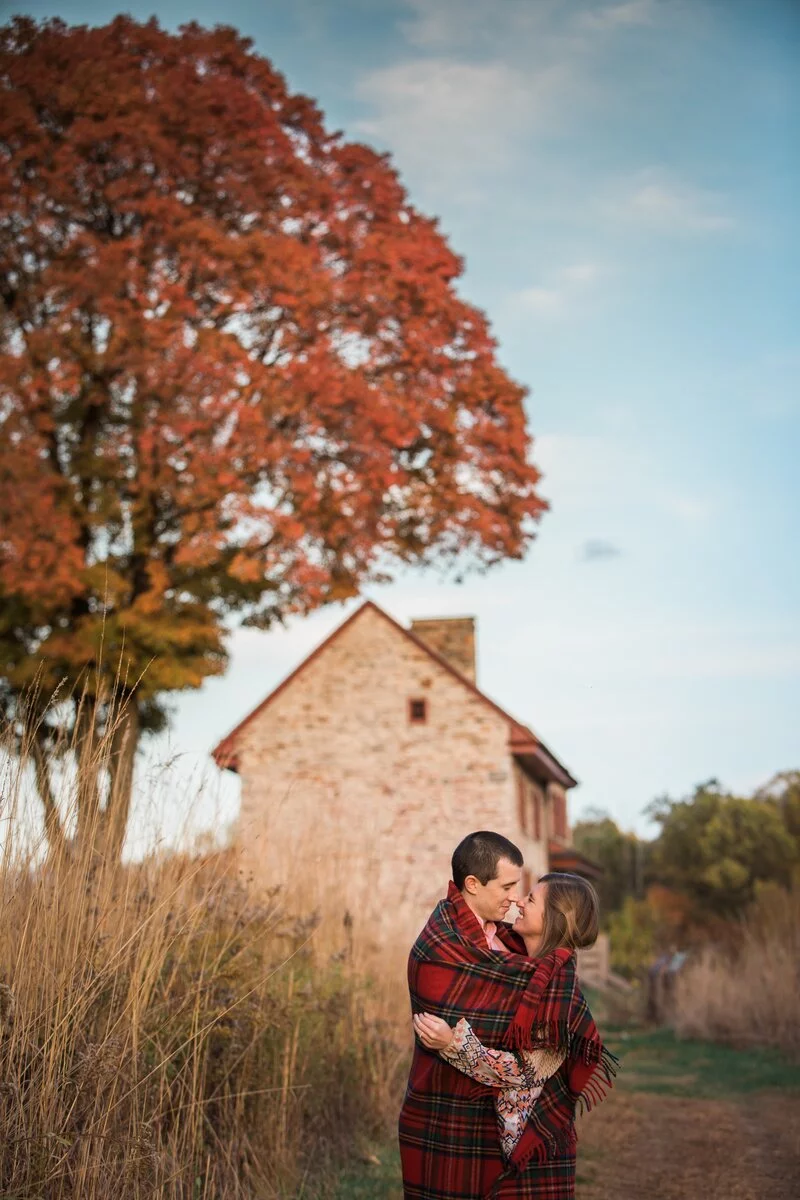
<point x="491" y="901"/>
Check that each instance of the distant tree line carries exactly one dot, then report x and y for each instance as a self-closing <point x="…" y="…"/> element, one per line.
<point x="713" y="854"/>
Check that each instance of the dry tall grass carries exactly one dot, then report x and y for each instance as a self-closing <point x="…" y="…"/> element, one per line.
<point x="162" y="1034"/>
<point x="748" y="993"/>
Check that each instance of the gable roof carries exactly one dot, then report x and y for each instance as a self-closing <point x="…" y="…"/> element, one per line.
<point x="529" y="750"/>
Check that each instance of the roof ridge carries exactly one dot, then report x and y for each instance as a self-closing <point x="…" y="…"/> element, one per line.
<point x="224" y="753"/>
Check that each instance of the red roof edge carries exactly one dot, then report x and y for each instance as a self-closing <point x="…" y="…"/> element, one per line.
<point x="539" y="760"/>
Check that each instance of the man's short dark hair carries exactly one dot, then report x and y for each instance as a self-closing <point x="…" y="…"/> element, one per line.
<point x="479" y="854"/>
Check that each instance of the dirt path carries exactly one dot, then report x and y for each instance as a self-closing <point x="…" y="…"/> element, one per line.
<point x="639" y="1146"/>
<point x="660" y="1147"/>
<point x="686" y="1121"/>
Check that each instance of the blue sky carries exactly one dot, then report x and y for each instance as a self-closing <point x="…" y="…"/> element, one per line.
<point x="623" y="181"/>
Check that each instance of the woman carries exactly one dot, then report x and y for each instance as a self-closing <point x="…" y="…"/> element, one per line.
<point x="558" y="917"/>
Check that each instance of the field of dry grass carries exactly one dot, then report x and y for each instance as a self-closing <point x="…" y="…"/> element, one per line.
<point x="161" y="1034"/>
<point x="747" y="993"/>
<point x="164" y="1032"/>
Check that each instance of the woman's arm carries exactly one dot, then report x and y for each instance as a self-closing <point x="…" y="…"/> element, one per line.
<point x="498" y="1068"/>
<point x="462" y="1049"/>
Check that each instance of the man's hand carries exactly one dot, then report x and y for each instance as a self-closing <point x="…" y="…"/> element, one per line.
<point x="433" y="1032"/>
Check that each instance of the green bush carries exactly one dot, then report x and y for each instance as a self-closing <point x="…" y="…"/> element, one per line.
<point x="633" y="932"/>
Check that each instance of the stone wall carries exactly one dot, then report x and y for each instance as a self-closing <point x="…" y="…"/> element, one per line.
<point x="341" y="788"/>
<point x="531" y="827"/>
<point x="594" y="964"/>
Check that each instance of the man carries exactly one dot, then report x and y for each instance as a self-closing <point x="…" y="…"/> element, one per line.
<point x="468" y="963"/>
<point x="448" y="1133"/>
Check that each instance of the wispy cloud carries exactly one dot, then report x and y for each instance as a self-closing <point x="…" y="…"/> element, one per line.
<point x="452" y="118"/>
<point x="667" y="204"/>
<point x="598" y="550"/>
<point x="476" y="88"/>
<point x="689" y="508"/>
<point x="617" y="16"/>
<point x="434" y="25"/>
<point x="561" y="292"/>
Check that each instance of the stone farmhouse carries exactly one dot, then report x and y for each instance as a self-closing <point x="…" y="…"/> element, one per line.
<point x="376" y="756"/>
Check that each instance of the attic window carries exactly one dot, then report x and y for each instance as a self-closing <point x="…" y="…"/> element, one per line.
<point x="418" y="711"/>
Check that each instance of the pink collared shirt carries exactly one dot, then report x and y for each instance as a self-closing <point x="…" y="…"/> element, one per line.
<point x="492" y="940"/>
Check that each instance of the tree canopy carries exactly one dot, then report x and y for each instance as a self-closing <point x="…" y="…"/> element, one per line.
<point x="236" y="377"/>
<point x="713" y="856"/>
<point x="716" y="848"/>
<point x="620" y="854"/>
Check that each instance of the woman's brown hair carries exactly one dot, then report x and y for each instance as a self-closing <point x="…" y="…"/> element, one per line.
<point x="571" y="913"/>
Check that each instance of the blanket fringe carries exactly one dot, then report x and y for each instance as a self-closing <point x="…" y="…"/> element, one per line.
<point x="548" y="1147"/>
<point x="599" y="1083"/>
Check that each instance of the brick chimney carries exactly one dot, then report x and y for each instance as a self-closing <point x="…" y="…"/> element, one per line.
<point x="451" y="637"/>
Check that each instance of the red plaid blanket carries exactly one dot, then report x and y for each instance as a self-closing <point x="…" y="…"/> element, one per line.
<point x="449" y="1143"/>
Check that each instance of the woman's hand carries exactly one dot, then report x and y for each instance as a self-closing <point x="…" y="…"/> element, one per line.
<point x="433" y="1032"/>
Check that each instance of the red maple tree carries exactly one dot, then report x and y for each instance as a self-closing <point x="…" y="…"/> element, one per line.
<point x="235" y="374"/>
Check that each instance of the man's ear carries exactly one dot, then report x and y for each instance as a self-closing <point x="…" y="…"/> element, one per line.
<point x="471" y="884"/>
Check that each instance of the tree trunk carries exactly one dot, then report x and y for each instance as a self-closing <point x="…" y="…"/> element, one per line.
<point x="88" y="751"/>
<point x="98" y="830"/>
<point x="124" y="743"/>
<point x="57" y="842"/>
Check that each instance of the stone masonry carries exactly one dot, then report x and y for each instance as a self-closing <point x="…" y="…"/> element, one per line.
<point x="369" y="764"/>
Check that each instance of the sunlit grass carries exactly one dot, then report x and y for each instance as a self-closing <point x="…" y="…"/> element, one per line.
<point x="659" y="1061"/>
<point x="165" y="1031"/>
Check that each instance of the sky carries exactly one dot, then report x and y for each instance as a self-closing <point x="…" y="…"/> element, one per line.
<point x="622" y="180"/>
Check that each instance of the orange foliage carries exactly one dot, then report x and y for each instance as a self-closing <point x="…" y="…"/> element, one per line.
<point x="672" y="911"/>
<point x="235" y="375"/>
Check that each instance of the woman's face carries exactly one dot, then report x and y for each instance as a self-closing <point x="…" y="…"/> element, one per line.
<point x="530" y="922"/>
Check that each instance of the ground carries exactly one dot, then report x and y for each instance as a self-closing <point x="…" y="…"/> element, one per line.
<point x="687" y="1121"/>
<point x="691" y="1119"/>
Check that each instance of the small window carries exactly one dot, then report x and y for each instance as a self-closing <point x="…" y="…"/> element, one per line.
<point x="418" y="711"/>
<point x="559" y="803"/>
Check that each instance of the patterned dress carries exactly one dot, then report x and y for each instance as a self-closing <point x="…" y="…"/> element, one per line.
<point x="519" y="1078"/>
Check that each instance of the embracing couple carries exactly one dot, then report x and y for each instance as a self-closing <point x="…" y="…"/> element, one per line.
<point x="505" y="1047"/>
